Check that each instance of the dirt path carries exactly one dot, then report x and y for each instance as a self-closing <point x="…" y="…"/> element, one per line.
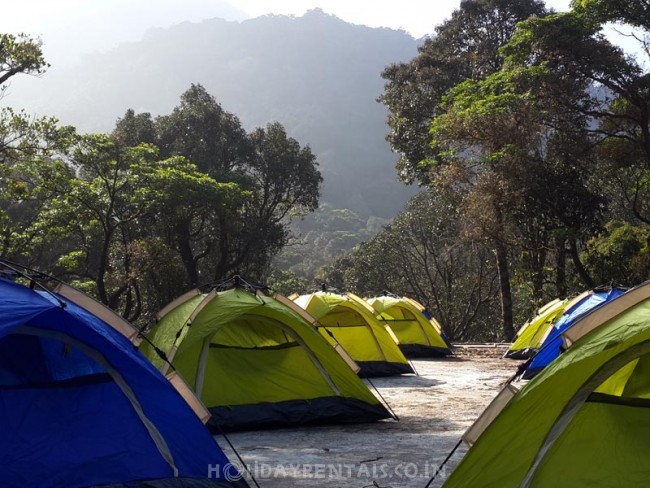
<point x="434" y="409"/>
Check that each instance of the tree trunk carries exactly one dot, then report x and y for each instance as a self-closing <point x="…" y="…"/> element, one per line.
<point x="538" y="258"/>
<point x="504" y="287"/>
<point x="560" y="267"/>
<point x="582" y="272"/>
<point x="102" y="268"/>
<point x="185" y="250"/>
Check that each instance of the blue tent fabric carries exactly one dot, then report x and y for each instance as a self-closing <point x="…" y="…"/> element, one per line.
<point x="81" y="406"/>
<point x="552" y="345"/>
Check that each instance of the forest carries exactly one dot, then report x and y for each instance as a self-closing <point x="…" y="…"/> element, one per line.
<point x="528" y="131"/>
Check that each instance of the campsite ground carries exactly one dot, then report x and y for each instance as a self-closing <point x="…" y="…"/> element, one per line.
<point x="434" y="409"/>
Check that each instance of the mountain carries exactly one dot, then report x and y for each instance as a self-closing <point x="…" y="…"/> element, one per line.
<point x="316" y="74"/>
<point x="106" y="23"/>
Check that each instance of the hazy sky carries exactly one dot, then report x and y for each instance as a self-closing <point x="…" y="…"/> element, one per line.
<point x="41" y="16"/>
<point x="415" y="16"/>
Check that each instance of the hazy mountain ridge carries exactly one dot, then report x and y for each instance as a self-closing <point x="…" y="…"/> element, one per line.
<point x="316" y="74"/>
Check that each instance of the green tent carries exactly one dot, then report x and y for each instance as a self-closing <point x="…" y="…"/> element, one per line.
<point x="584" y="420"/>
<point x="418" y="336"/>
<point x="531" y="334"/>
<point x="256" y="363"/>
<point x="348" y="321"/>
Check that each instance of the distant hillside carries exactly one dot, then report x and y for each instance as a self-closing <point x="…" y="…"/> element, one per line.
<point x="316" y="74"/>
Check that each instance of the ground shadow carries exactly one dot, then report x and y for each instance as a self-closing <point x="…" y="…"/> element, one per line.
<point x="404" y="381"/>
<point x="445" y="359"/>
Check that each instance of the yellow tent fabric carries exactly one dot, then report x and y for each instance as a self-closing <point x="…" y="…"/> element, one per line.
<point x="532" y="333"/>
<point x="348" y="321"/>
<point x="256" y="363"/>
<point x="584" y="421"/>
<point x="418" y="336"/>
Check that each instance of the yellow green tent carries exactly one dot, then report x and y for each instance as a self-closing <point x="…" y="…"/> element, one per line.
<point x="255" y="363"/>
<point x="531" y="335"/>
<point x="349" y="321"/>
<point x="418" y="336"/>
<point x="584" y="420"/>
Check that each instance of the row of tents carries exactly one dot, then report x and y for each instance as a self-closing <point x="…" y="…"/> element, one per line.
<point x="583" y="419"/>
<point x="540" y="339"/>
<point x="89" y="400"/>
<point x="260" y="361"/>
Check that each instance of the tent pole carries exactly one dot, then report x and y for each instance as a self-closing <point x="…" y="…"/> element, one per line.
<point x="444" y="462"/>
<point x="413" y="367"/>
<point x="200" y="368"/>
<point x="244" y="465"/>
<point x="376" y="341"/>
<point x="392" y="412"/>
<point x="310" y="354"/>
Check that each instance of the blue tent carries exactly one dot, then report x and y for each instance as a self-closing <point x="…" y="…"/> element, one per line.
<point x="552" y="345"/>
<point x="81" y="406"/>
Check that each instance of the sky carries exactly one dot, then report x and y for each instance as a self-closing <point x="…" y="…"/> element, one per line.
<point x="70" y="28"/>
<point x="417" y="17"/>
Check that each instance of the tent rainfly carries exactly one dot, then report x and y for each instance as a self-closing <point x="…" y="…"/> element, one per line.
<point x="418" y="336"/>
<point x="552" y="343"/>
<point x="530" y="334"/>
<point x="348" y="321"/>
<point x="584" y="420"/>
<point x="430" y="317"/>
<point x="81" y="406"/>
<point x="258" y="364"/>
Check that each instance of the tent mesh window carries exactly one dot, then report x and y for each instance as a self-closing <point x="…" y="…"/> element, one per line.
<point x="28" y="361"/>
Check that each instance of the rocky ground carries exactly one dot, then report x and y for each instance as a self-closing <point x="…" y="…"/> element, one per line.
<point x="434" y="409"/>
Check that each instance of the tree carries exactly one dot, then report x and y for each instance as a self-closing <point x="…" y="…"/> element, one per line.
<point x="620" y="254"/>
<point x="134" y="129"/>
<point x="19" y="54"/>
<point x="24" y="139"/>
<point x="277" y="179"/>
<point x="285" y="175"/>
<point x="571" y="47"/>
<point x="93" y="208"/>
<point x="427" y="253"/>
<point x="200" y="130"/>
<point x="464" y="47"/>
<point x="22" y="136"/>
<point x="286" y="282"/>
<point x="525" y="159"/>
<point x="109" y="203"/>
<point x="186" y="206"/>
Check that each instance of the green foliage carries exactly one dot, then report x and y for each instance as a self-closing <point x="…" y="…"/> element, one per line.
<point x="519" y="139"/>
<point x="425" y="253"/>
<point x="620" y="254"/>
<point x="465" y="47"/>
<point x="199" y="129"/>
<point x="286" y="282"/>
<point x="276" y="177"/>
<point x="20" y="54"/>
<point x="161" y="204"/>
<point x="632" y="12"/>
<point x="143" y="228"/>
<point x="322" y="237"/>
<point x="287" y="176"/>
